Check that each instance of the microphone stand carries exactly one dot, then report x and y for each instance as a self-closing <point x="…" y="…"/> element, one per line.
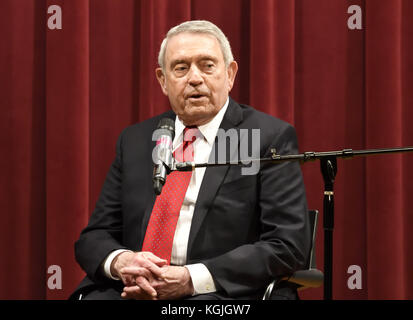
<point x="328" y="166"/>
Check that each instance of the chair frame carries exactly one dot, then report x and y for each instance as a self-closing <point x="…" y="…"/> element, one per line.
<point x="308" y="278"/>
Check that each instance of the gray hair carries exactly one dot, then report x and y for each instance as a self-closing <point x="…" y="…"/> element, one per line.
<point x="198" y="26"/>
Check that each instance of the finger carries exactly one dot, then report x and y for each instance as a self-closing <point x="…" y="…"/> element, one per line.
<point x="142" y="286"/>
<point x="141" y="260"/>
<point x="132" y="292"/>
<point x="146" y="269"/>
<point x="128" y="280"/>
<point x="155" y="270"/>
<point x="142" y="296"/>
<point x="136" y="271"/>
<point x="136" y="293"/>
<point x="145" y="286"/>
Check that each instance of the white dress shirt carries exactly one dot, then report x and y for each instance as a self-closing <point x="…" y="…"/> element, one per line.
<point x="201" y="277"/>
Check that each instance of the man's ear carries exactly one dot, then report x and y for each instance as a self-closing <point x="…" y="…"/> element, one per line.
<point x="232" y="72"/>
<point x="161" y="79"/>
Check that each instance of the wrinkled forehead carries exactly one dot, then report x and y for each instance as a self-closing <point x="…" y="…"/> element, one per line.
<point x="190" y="46"/>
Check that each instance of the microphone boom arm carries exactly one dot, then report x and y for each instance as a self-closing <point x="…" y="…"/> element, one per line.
<point x="328" y="165"/>
<point x="301" y="157"/>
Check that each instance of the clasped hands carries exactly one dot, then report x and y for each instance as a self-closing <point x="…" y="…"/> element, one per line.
<point x="148" y="277"/>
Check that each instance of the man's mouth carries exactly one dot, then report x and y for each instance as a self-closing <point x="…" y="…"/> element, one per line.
<point x="196" y="96"/>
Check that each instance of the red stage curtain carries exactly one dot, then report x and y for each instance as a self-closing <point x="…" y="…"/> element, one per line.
<point x="65" y="96"/>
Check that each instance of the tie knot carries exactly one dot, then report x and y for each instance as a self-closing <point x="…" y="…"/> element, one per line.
<point x="191" y="134"/>
<point x="185" y="151"/>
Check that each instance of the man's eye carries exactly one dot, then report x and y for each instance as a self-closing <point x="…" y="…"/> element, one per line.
<point x="208" y="66"/>
<point x="180" y="68"/>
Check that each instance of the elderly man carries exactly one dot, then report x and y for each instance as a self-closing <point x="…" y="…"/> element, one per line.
<point x="229" y="234"/>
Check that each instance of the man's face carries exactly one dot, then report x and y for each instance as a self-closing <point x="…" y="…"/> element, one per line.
<point x="195" y="78"/>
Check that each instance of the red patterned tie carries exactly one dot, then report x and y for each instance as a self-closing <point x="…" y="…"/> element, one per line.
<point x="162" y="223"/>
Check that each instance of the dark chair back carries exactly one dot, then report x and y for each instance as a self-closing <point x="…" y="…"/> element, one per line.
<point x="308" y="278"/>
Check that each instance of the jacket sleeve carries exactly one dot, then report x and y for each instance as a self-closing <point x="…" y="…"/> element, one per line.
<point x="103" y="234"/>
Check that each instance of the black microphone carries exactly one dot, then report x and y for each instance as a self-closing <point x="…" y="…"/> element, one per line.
<point x="162" y="155"/>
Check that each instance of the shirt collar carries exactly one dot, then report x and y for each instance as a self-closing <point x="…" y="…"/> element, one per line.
<point x="208" y="130"/>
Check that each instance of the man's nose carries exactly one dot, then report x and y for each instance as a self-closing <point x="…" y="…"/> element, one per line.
<point x="194" y="76"/>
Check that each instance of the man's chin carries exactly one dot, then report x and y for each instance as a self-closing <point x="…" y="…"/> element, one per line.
<point x="197" y="106"/>
<point x="196" y="117"/>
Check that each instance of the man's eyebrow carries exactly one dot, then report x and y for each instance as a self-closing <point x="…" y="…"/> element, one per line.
<point x="207" y="57"/>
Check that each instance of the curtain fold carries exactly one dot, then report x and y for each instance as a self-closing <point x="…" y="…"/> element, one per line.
<point x="22" y="122"/>
<point x="67" y="135"/>
<point x="65" y="96"/>
<point x="384" y="113"/>
<point x="272" y="57"/>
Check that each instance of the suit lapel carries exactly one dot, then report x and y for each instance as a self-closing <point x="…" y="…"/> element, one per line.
<point x="213" y="176"/>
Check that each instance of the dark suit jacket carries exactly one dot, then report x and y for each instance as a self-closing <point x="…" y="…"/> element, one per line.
<point x="246" y="229"/>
